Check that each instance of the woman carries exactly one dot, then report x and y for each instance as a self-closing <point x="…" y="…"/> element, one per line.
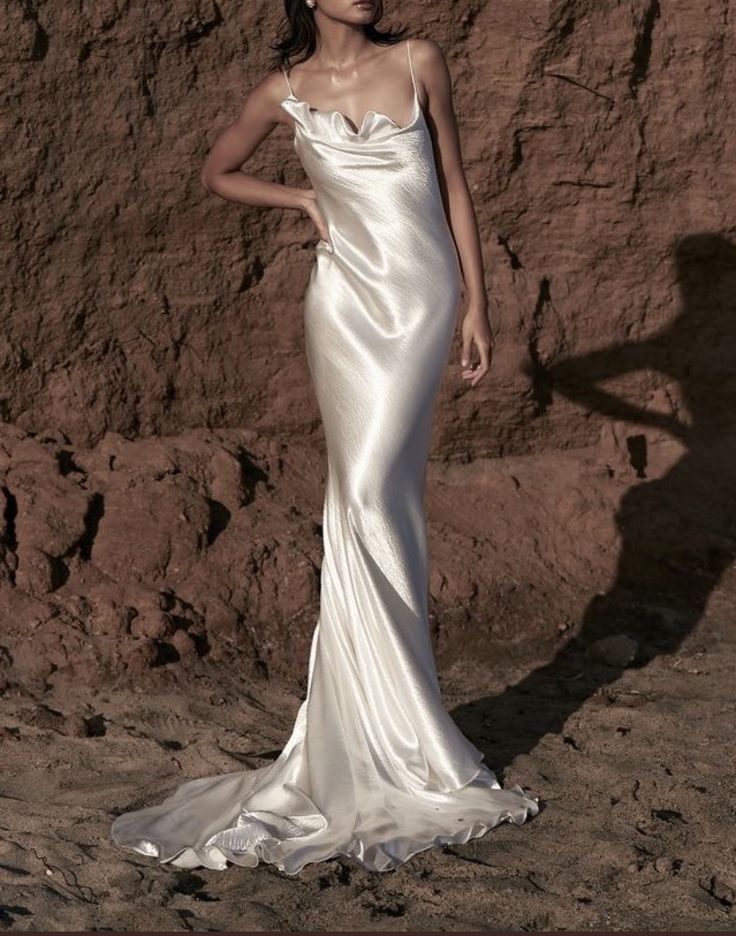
<point x="375" y="767"/>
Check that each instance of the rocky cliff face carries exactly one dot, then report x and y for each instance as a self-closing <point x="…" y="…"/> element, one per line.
<point x="161" y="455"/>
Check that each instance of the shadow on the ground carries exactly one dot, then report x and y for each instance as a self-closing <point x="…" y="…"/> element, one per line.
<point x="678" y="532"/>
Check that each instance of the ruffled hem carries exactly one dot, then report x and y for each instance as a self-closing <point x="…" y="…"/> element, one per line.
<point x="381" y="856"/>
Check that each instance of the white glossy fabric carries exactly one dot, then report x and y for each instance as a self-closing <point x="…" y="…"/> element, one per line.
<point x="375" y="767"/>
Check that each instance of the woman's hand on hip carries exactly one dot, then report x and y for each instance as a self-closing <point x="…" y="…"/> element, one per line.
<point x="310" y="208"/>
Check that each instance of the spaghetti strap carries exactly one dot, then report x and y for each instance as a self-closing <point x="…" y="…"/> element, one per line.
<point x="411" y="67"/>
<point x="286" y="79"/>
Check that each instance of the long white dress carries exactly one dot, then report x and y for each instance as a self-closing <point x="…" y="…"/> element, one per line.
<point x="375" y="767"/>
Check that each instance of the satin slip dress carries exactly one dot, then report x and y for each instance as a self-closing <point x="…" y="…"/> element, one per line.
<point x="375" y="767"/>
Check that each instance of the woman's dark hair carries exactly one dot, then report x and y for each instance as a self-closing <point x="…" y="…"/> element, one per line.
<point x="301" y="39"/>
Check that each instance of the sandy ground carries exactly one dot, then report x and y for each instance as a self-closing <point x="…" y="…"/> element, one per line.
<point x="634" y="768"/>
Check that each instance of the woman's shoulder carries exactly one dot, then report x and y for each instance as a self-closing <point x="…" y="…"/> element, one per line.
<point x="426" y="50"/>
<point x="428" y="60"/>
<point x="272" y="86"/>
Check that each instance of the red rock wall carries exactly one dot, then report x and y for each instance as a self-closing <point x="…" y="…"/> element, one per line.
<point x="598" y="146"/>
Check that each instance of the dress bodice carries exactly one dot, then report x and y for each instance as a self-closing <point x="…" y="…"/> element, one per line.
<point x="377" y="187"/>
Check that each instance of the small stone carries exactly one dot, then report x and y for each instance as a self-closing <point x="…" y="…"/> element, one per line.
<point x="152" y="624"/>
<point x="616" y="650"/>
<point x="183" y="643"/>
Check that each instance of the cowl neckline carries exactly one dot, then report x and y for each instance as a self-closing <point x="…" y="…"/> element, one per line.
<point x="372" y="119"/>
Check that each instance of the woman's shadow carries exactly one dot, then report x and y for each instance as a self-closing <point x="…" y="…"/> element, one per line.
<point x="678" y="532"/>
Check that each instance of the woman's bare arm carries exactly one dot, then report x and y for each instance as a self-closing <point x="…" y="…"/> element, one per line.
<point x="431" y="68"/>
<point x="222" y="174"/>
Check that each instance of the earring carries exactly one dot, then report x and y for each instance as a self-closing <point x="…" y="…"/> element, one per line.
<point x="311" y="4"/>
